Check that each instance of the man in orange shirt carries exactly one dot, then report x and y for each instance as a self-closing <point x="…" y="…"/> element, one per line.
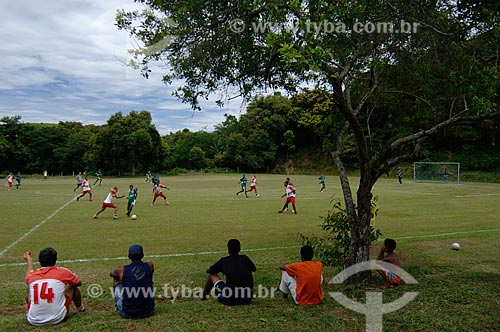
<point x="303" y="279"/>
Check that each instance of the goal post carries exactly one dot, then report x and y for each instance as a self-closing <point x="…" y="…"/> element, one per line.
<point x="442" y="172"/>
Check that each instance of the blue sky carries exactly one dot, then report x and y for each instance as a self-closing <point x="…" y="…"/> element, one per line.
<point x="63" y="60"/>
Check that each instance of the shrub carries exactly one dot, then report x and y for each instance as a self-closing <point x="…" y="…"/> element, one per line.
<point x="333" y="248"/>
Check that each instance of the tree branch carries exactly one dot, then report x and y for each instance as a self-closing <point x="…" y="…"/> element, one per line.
<point x="456" y="120"/>
<point x="411" y="95"/>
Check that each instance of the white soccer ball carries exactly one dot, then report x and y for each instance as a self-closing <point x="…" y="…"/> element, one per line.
<point x="134" y="217"/>
<point x="455" y="246"/>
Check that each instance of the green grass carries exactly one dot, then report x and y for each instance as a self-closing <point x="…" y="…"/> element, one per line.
<point x="458" y="290"/>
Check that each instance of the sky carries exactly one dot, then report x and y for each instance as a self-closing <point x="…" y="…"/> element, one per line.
<point x="64" y="60"/>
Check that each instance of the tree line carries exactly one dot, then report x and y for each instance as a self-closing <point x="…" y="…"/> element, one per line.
<point x="274" y="131"/>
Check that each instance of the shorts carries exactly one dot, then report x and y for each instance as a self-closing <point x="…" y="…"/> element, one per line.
<point x="222" y="291"/>
<point x="86" y="192"/>
<point x="118" y="293"/>
<point x="288" y="285"/>
<point x="290" y="200"/>
<point x="67" y="304"/>
<point x="219" y="289"/>
<point x="392" y="278"/>
<point x="107" y="205"/>
<point x="253" y="188"/>
<point x="243" y="187"/>
<point x="160" y="195"/>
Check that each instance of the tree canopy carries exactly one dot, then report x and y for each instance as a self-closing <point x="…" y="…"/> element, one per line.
<point x="433" y="67"/>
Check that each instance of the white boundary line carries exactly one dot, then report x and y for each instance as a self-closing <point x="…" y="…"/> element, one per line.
<point x="25" y="235"/>
<point x="476" y="195"/>
<point x="85" y="260"/>
<point x="447" y="234"/>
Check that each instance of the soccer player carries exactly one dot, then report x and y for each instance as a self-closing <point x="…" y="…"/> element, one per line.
<point x="253" y="185"/>
<point x="10" y="178"/>
<point x="155" y="179"/>
<point x="303" y="279"/>
<point x="85" y="189"/>
<point x="133" y="286"/>
<point x="148" y="176"/>
<point x="322" y="182"/>
<point x="132" y="197"/>
<point x="237" y="269"/>
<point x="79" y="180"/>
<point x="108" y="203"/>
<point x="388" y="264"/>
<point x="98" y="175"/>
<point x="243" y="182"/>
<point x="18" y="179"/>
<point x="290" y="193"/>
<point x="400" y="176"/>
<point x="50" y="290"/>
<point x="45" y="175"/>
<point x="158" y="193"/>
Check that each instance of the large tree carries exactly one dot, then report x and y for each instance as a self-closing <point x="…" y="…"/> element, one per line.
<point x="392" y="89"/>
<point x="128" y="142"/>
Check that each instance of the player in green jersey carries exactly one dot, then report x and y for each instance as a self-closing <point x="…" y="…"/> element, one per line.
<point x="322" y="182"/>
<point x="98" y="175"/>
<point x="132" y="197"/>
<point x="243" y="181"/>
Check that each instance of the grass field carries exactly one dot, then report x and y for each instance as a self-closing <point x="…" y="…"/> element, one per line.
<point x="458" y="290"/>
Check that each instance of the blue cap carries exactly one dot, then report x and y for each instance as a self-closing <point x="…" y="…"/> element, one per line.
<point x="136" y="251"/>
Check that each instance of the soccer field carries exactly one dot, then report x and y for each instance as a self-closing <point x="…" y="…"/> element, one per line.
<point x="458" y="290"/>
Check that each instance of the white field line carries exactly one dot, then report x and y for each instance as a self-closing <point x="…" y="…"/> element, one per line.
<point x="25" y="235"/>
<point x="85" y="260"/>
<point x="446" y="234"/>
<point x="474" y="195"/>
<point x="96" y="259"/>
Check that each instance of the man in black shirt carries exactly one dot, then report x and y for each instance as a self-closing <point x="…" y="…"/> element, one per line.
<point x="238" y="269"/>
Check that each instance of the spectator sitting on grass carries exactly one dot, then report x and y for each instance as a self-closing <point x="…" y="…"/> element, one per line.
<point x="238" y="269"/>
<point x="388" y="264"/>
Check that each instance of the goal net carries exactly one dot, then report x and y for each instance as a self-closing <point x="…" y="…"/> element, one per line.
<point x="436" y="172"/>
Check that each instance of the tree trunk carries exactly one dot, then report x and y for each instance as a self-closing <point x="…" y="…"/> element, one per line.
<point x="133" y="169"/>
<point x="360" y="233"/>
<point x="346" y="188"/>
<point x="359" y="221"/>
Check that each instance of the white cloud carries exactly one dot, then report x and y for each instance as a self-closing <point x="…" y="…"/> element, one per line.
<point x="64" y="61"/>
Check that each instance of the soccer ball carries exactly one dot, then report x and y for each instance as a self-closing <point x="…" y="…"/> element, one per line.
<point x="134" y="217"/>
<point x="455" y="246"/>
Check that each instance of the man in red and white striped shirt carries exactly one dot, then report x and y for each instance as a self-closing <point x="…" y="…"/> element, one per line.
<point x="108" y="202"/>
<point x="50" y="290"/>
<point x="85" y="189"/>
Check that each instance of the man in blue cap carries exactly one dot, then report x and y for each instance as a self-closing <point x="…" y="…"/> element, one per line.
<point x="133" y="286"/>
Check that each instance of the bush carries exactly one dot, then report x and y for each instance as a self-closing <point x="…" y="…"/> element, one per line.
<point x="333" y="248"/>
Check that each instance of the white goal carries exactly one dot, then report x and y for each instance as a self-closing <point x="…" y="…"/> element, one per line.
<point x="436" y="172"/>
